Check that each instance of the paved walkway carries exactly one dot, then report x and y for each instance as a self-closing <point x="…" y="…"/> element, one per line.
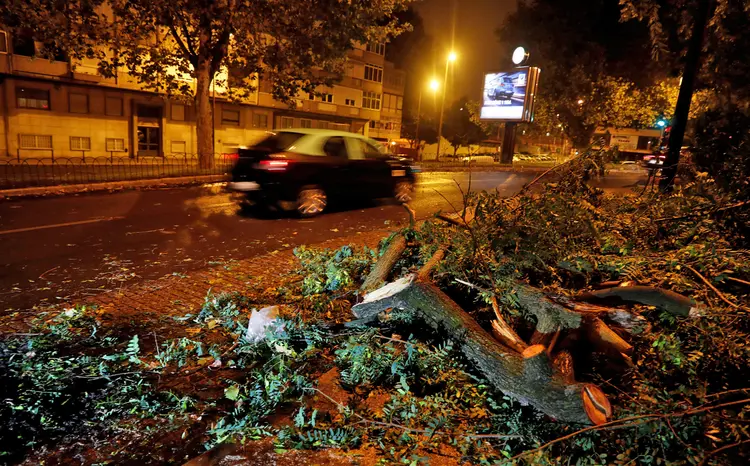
<point x="180" y="294"/>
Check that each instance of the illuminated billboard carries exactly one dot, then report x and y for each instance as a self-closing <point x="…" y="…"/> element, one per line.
<point x="509" y="96"/>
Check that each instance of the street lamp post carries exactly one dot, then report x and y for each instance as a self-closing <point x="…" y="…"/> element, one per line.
<point x="434" y="86"/>
<point x="451" y="59"/>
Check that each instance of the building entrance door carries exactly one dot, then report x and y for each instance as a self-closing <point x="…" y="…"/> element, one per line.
<point x="149" y="131"/>
<point x="149" y="141"/>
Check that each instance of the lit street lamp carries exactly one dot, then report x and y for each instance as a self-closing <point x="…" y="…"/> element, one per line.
<point x="451" y="58"/>
<point x="434" y="85"/>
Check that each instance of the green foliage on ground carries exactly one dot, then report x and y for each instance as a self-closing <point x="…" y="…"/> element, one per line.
<point x="405" y="391"/>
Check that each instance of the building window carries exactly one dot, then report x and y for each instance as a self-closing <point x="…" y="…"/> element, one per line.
<point x="400" y="103"/>
<point x="372" y="124"/>
<point x="351" y="102"/>
<point x="179" y="147"/>
<point x="371" y="100"/>
<point x="396" y="81"/>
<point x="79" y="103"/>
<point x="376" y="48"/>
<point x="178" y="112"/>
<point x="322" y="97"/>
<point x="3" y="42"/>
<point x="287" y="122"/>
<point x="115" y="145"/>
<point x="374" y="73"/>
<point x="35" y="141"/>
<point x="230" y="117"/>
<point x="113" y="106"/>
<point x="80" y="143"/>
<point x="260" y="120"/>
<point x="304" y="123"/>
<point x="32" y="98"/>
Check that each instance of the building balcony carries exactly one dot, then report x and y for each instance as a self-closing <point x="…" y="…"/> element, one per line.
<point x="39" y="66"/>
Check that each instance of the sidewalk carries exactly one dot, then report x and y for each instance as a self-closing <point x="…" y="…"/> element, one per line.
<point x="176" y="296"/>
<point x="61" y="190"/>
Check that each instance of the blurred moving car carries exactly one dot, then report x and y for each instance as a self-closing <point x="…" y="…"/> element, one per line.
<point x="305" y="168"/>
<point x="654" y="161"/>
<point x="503" y="90"/>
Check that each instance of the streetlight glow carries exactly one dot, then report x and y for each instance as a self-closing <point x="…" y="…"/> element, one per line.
<point x="434" y="85"/>
<point x="580" y="101"/>
<point x="452" y="56"/>
<point x="661" y="123"/>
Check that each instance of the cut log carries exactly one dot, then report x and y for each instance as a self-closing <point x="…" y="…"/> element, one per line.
<point x="667" y="300"/>
<point x="427" y="268"/>
<point x="379" y="273"/>
<point x="529" y="377"/>
<point x="550" y="315"/>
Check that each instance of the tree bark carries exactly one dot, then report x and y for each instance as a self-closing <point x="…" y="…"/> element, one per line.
<point x="204" y="115"/>
<point x="669" y="301"/>
<point x="529" y="377"/>
<point x="385" y="263"/>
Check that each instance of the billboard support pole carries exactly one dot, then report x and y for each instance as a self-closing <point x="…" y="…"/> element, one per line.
<point x="509" y="142"/>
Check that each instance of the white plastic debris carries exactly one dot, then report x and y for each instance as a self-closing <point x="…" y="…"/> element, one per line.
<point x="259" y="321"/>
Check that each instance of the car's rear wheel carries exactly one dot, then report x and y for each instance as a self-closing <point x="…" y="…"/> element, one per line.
<point x="311" y="201"/>
<point x="404" y="191"/>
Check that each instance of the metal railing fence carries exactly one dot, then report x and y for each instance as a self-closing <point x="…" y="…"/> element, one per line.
<point x="34" y="172"/>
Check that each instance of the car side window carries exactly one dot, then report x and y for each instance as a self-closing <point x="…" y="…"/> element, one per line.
<point x="370" y="152"/>
<point x="335" y="147"/>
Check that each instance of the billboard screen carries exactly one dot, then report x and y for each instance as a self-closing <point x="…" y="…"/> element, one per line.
<point x="509" y="96"/>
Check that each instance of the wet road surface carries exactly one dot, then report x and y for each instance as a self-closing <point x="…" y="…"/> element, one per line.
<point x="58" y="249"/>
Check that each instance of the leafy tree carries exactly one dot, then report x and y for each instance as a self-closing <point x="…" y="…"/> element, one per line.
<point x="294" y="46"/>
<point x="587" y="55"/>
<point x="427" y="129"/>
<point x="724" y="67"/>
<point x="460" y="127"/>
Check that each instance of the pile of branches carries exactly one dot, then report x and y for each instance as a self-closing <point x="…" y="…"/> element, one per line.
<point x="599" y="310"/>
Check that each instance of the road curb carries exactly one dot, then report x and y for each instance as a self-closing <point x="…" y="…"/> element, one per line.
<point x="62" y="190"/>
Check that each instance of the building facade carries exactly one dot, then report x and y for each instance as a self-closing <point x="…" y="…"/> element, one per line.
<point x="62" y="109"/>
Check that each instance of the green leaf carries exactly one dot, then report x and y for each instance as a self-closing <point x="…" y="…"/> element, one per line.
<point x="232" y="392"/>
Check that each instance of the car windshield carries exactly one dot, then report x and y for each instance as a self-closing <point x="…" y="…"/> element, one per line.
<point x="507" y="81"/>
<point x="279" y="141"/>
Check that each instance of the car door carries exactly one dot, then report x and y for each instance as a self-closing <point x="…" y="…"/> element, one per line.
<point x="336" y="170"/>
<point x="370" y="168"/>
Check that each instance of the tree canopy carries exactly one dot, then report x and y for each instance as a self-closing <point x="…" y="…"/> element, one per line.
<point x="167" y="44"/>
<point x="596" y="70"/>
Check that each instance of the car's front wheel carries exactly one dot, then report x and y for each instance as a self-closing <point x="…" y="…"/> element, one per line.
<point x="404" y="191"/>
<point x="311" y="201"/>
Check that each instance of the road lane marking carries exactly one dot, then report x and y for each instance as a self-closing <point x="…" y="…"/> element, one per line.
<point x="59" y="225"/>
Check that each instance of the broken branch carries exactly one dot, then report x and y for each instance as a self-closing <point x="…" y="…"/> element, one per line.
<point x="514" y="374"/>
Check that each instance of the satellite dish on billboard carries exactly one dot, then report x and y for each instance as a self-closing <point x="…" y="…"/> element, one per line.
<point x="520" y="56"/>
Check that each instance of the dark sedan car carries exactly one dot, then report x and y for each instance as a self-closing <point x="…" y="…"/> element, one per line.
<point x="304" y="168"/>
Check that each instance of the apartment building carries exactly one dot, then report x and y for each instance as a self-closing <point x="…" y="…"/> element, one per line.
<point x="62" y="109"/>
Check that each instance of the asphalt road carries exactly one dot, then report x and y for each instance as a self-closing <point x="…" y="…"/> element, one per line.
<point x="58" y="249"/>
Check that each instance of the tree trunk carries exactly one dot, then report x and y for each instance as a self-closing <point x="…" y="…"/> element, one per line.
<point x="383" y="266"/>
<point x="204" y="115"/>
<point x="530" y="377"/>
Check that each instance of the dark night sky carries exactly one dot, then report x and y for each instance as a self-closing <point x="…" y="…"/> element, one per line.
<point x="475" y="41"/>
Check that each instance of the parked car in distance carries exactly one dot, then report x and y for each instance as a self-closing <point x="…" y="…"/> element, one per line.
<point x="304" y="169"/>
